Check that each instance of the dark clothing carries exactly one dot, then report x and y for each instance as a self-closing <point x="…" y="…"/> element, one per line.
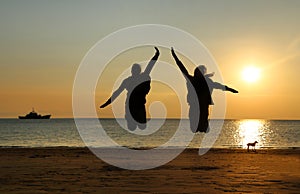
<point x="198" y="85"/>
<point x="198" y="98"/>
<point x="200" y="88"/>
<point x="137" y="86"/>
<point x="138" y="94"/>
<point x="135" y="112"/>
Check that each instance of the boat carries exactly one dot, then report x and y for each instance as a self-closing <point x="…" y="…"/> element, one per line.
<point x="34" y="115"/>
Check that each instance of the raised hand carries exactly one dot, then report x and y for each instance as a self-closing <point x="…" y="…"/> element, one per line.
<point x="157" y="51"/>
<point x="172" y="50"/>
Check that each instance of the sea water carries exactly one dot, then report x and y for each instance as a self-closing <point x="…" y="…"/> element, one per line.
<point x="233" y="134"/>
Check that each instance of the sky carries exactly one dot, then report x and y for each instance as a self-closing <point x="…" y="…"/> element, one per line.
<point x="42" y="44"/>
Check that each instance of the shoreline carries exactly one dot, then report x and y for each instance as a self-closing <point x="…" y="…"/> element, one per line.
<point x="122" y="118"/>
<point x="78" y="170"/>
<point x="147" y="148"/>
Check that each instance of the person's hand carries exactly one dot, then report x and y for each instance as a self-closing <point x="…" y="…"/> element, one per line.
<point x="172" y="51"/>
<point x="231" y="89"/>
<point x="234" y="91"/>
<point x="157" y="51"/>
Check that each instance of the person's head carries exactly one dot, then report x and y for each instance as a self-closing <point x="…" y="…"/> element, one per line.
<point x="136" y="69"/>
<point x="201" y="69"/>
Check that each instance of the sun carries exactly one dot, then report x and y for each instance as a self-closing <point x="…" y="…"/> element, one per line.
<point x="251" y="74"/>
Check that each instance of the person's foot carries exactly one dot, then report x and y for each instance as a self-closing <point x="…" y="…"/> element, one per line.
<point x="131" y="128"/>
<point x="203" y="130"/>
<point x="207" y="130"/>
<point x="200" y="130"/>
<point x="142" y="126"/>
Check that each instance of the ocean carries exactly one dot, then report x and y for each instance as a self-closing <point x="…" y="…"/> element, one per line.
<point x="275" y="134"/>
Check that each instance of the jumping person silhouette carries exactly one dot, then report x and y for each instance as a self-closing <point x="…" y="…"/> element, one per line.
<point x="137" y="86"/>
<point x="203" y="87"/>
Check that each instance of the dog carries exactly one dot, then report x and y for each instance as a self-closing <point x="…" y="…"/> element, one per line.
<point x="252" y="145"/>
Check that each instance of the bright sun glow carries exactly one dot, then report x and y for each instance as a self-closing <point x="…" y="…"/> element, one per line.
<point x="251" y="74"/>
<point x="250" y="131"/>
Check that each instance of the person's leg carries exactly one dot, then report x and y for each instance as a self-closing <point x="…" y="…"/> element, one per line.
<point x="140" y="117"/>
<point x="142" y="125"/>
<point x="206" y="118"/>
<point x="194" y="118"/>
<point x="203" y="118"/>
<point x="137" y="117"/>
<point x="131" y="124"/>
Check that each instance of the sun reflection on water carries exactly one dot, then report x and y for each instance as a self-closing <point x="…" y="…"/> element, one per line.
<point x="250" y="131"/>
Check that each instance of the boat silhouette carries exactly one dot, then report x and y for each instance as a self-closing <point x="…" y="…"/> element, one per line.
<point x="34" y="115"/>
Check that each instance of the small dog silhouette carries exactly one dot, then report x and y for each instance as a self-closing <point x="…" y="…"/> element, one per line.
<point x="252" y="145"/>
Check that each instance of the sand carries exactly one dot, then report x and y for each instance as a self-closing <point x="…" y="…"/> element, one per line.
<point x="77" y="170"/>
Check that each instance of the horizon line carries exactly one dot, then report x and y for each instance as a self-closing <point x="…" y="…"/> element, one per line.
<point x="171" y="118"/>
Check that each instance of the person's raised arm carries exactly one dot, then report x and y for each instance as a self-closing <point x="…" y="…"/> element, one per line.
<point x="114" y="95"/>
<point x="152" y="62"/>
<point x="179" y="63"/>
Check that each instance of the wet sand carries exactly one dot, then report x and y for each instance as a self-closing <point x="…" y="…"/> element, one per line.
<point x="77" y="170"/>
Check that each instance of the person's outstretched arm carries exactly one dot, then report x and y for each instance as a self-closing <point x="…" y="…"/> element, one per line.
<point x="114" y="95"/>
<point x="217" y="85"/>
<point x="179" y="63"/>
<point x="231" y="89"/>
<point x="152" y="62"/>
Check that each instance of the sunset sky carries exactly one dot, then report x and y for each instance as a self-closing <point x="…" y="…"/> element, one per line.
<point x="43" y="43"/>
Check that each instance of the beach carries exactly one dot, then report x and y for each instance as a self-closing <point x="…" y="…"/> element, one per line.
<point x="78" y="170"/>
